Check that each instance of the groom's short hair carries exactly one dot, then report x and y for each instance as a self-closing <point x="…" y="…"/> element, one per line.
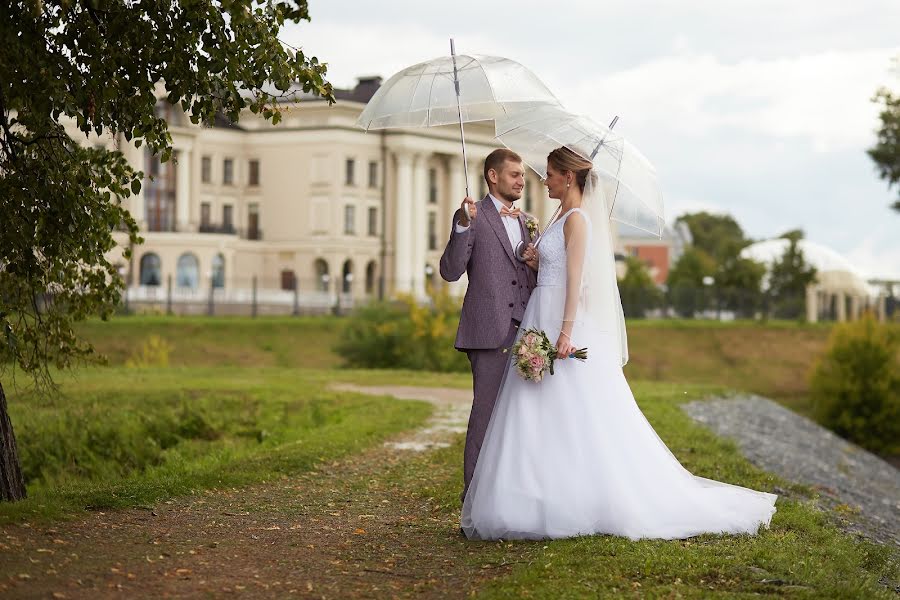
<point x="496" y="159"/>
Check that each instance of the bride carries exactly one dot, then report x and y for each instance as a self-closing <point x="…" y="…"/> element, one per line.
<point x="573" y="454"/>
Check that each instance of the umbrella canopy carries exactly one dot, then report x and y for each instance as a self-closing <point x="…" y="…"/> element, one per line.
<point x="425" y="95"/>
<point x="627" y="177"/>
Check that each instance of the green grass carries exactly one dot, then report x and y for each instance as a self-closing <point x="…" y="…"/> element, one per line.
<point x="130" y="437"/>
<point x="772" y="359"/>
<point x="221" y="341"/>
<point x="802" y="555"/>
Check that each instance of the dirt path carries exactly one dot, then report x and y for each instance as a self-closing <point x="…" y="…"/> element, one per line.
<point x="348" y="530"/>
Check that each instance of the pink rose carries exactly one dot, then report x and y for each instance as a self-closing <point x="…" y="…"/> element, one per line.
<point x="537" y="363"/>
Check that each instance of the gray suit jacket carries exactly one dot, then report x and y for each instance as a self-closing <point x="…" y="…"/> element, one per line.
<point x="499" y="285"/>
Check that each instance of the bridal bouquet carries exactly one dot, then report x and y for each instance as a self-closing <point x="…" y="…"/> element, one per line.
<point x="534" y="355"/>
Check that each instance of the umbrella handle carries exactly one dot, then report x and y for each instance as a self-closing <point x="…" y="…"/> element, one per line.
<point x="462" y="134"/>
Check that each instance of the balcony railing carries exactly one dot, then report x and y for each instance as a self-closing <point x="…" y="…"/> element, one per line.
<point x="216" y="228"/>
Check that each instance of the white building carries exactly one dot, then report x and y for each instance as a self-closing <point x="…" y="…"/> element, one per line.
<point x="312" y="209"/>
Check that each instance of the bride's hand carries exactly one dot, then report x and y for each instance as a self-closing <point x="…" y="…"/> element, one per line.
<point x="564" y="346"/>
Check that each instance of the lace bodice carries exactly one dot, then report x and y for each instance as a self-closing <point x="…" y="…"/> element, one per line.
<point x="552" y="251"/>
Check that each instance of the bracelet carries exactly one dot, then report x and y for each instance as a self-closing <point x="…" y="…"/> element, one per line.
<point x="566" y="334"/>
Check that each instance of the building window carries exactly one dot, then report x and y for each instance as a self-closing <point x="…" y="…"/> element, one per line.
<point x="253" y="232"/>
<point x="151" y="269"/>
<point x="432" y="231"/>
<point x="527" y="195"/>
<point x="348" y="172"/>
<point x="322" y="277"/>
<point x="288" y="280"/>
<point x="370" y="277"/>
<point x="350" y="219"/>
<point x="218" y="271"/>
<point x="160" y="191"/>
<point x="373" y="174"/>
<point x="228" y="171"/>
<point x="253" y="175"/>
<point x="347" y="278"/>
<point x="188" y="275"/>
<point x="228" y="218"/>
<point x="432" y="186"/>
<point x="373" y="220"/>
<point x="205" y="211"/>
<point x="206" y="169"/>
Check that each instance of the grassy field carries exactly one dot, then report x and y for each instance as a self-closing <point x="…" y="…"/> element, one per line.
<point x="773" y="360"/>
<point x="119" y="437"/>
<point x="802" y="555"/>
<point x="246" y="401"/>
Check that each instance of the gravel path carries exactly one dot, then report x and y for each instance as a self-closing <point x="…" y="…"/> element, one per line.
<point x="862" y="487"/>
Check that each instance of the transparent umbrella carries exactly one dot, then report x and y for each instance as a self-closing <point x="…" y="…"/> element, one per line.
<point x="455" y="89"/>
<point x="628" y="178"/>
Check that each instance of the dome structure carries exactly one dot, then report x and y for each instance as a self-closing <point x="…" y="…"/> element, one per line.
<point x="840" y="291"/>
<point x="833" y="270"/>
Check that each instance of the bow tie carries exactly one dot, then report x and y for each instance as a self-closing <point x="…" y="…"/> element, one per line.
<point x="509" y="212"/>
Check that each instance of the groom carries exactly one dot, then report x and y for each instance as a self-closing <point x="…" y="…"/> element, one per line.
<point x="483" y="239"/>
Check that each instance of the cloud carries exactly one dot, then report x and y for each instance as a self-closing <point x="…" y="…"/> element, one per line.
<point x="823" y="98"/>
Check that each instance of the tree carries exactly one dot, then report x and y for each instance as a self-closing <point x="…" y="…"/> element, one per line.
<point x="637" y="289"/>
<point x="719" y="236"/>
<point x="789" y="277"/>
<point x="686" y="287"/>
<point x="738" y="284"/>
<point x="101" y="65"/>
<point x="886" y="151"/>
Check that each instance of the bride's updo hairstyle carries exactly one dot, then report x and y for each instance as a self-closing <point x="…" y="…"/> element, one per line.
<point x="562" y="159"/>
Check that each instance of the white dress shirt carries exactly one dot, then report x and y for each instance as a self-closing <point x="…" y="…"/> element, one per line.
<point x="511" y="224"/>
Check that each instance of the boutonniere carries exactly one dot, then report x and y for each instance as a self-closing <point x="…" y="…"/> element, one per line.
<point x="531" y="224"/>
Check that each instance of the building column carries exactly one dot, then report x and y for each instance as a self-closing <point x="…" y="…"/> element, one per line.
<point x="403" y="225"/>
<point x="457" y="193"/>
<point x="419" y="201"/>
<point x="812" y="304"/>
<point x="183" y="191"/>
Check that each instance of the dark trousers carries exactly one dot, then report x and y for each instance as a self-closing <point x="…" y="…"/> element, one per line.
<point x="488" y="367"/>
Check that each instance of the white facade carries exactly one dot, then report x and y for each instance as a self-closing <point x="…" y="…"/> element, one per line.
<point x="337" y="209"/>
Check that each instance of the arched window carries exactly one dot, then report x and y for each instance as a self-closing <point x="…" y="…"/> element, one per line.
<point x="370" y="277"/>
<point x="322" y="276"/>
<point x="151" y="269"/>
<point x="188" y="275"/>
<point x="347" y="277"/>
<point x="218" y="271"/>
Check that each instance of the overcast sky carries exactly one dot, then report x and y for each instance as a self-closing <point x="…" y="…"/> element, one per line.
<point x="755" y="108"/>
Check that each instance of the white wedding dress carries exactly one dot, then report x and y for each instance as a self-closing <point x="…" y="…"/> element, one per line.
<point x="573" y="455"/>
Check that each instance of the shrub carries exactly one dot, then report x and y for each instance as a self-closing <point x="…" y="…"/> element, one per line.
<point x="404" y="335"/>
<point x="154" y="353"/>
<point x="855" y="385"/>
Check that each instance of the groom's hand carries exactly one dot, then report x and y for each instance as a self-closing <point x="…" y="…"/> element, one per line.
<point x="531" y="257"/>
<point x="469" y="210"/>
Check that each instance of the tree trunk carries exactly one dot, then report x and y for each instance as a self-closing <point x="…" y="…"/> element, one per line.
<point x="12" y="486"/>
